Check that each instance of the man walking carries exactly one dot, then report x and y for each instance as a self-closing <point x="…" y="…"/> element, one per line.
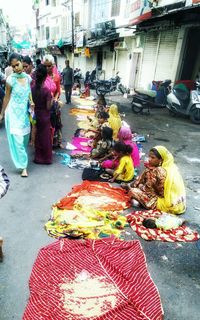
<point x="68" y="79"/>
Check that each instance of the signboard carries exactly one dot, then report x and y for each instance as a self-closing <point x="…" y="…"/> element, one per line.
<point x="140" y="10"/>
<point x="163" y="3"/>
<point x="79" y="39"/>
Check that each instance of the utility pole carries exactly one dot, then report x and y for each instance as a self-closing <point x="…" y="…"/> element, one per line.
<point x="72" y="15"/>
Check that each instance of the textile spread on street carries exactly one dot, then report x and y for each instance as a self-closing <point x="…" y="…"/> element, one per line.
<point x="83" y="102"/>
<point x="78" y="111"/>
<point x="99" y="195"/>
<point x="92" y="279"/>
<point x="181" y="233"/>
<point x="85" y="223"/>
<point x="92" y="210"/>
<point x="81" y="145"/>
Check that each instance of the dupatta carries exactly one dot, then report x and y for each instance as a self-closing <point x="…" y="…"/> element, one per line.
<point x="174" y="200"/>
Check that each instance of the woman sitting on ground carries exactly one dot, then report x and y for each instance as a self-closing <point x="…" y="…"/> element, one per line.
<point x="104" y="144"/>
<point x="160" y="186"/>
<point x="125" y="169"/>
<point x="102" y="123"/>
<point x="114" y="120"/>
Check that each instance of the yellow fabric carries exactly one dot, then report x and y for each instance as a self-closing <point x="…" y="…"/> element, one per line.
<point x="174" y="200"/>
<point x="114" y="120"/>
<point x="85" y="222"/>
<point x="88" y="125"/>
<point x="125" y="169"/>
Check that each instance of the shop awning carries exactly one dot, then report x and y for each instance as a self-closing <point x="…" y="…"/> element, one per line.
<point x="100" y="42"/>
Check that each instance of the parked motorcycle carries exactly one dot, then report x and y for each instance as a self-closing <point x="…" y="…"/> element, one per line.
<point x="182" y="101"/>
<point x="147" y="99"/>
<point x="107" y="86"/>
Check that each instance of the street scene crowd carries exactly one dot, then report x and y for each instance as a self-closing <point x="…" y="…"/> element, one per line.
<point x="99" y="181"/>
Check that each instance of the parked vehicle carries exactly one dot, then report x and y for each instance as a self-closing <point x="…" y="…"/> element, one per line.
<point x="185" y="102"/>
<point x="147" y="99"/>
<point x="107" y="86"/>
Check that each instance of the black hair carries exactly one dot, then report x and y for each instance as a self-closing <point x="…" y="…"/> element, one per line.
<point x="101" y="100"/>
<point x="27" y="59"/>
<point x="123" y="148"/>
<point x="156" y="153"/>
<point x="107" y="133"/>
<point x="40" y="76"/>
<point x="103" y="115"/>
<point x="38" y="62"/>
<point x="77" y="132"/>
<point x="149" y="223"/>
<point x="14" y="56"/>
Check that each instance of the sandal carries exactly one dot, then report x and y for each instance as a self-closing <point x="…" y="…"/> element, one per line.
<point x="24" y="173"/>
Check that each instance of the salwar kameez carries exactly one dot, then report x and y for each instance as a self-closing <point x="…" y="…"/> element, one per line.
<point x="17" y="119"/>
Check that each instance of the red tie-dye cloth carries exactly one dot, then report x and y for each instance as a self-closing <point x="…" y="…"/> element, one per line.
<point x="182" y="233"/>
<point x="119" y="199"/>
<point x="92" y="279"/>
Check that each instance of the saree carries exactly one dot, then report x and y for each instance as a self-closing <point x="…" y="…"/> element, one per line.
<point x="114" y="120"/>
<point x="174" y="200"/>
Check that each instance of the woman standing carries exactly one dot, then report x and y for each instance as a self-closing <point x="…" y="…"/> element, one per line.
<point x="42" y="99"/>
<point x="53" y="83"/>
<point x="15" y="106"/>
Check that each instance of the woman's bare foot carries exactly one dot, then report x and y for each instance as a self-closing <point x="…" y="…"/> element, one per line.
<point x="24" y="173"/>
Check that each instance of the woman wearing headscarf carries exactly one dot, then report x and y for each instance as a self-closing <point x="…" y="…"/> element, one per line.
<point x="160" y="186"/>
<point x="15" y="106"/>
<point x="53" y="83"/>
<point x="114" y="120"/>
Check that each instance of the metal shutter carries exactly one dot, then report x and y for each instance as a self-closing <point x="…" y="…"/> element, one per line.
<point x="166" y="54"/>
<point x="148" y="60"/>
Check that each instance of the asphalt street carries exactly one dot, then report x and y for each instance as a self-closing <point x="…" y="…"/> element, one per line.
<point x="174" y="267"/>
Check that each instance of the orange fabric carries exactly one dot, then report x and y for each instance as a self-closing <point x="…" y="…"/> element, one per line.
<point x="96" y="189"/>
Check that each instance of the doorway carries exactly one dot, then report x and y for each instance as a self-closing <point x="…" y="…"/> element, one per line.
<point x="134" y="70"/>
<point x="191" y="54"/>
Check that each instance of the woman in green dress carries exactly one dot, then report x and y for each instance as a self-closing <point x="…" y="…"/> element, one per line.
<point x="15" y="107"/>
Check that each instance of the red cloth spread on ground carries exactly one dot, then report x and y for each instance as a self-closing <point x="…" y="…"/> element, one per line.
<point x="92" y="279"/>
<point x="97" y="189"/>
<point x="182" y="233"/>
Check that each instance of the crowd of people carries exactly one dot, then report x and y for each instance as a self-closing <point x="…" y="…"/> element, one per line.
<point x="32" y="105"/>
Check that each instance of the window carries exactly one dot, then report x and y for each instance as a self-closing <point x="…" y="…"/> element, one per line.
<point x="47" y="2"/>
<point x="77" y="19"/>
<point x="47" y="33"/>
<point x="115" y="8"/>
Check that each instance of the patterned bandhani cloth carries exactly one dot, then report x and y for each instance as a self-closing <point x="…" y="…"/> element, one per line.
<point x="93" y="279"/>
<point x="81" y="145"/>
<point x="85" y="223"/>
<point x="182" y="233"/>
<point x="99" y="195"/>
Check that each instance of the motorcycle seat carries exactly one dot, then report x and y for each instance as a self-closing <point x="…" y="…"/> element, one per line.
<point x="149" y="93"/>
<point x="181" y="94"/>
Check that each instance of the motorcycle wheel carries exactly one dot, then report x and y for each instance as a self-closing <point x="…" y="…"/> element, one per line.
<point x="136" y="107"/>
<point x="101" y="90"/>
<point x="195" y="115"/>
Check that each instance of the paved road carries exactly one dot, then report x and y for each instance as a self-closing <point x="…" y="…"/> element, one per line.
<point x="24" y="210"/>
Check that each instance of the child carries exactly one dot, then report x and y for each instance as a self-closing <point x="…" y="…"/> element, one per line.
<point x="104" y="145"/>
<point x="125" y="169"/>
<point x="102" y="123"/>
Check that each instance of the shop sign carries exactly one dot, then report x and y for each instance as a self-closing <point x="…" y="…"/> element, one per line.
<point x="140" y="10"/>
<point x="79" y="39"/>
<point x="163" y="3"/>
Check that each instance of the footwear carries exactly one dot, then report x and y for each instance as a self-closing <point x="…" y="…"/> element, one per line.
<point x="24" y="173"/>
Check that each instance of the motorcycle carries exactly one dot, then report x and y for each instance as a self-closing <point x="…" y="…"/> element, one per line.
<point x="107" y="86"/>
<point x="147" y="99"/>
<point x="182" y="101"/>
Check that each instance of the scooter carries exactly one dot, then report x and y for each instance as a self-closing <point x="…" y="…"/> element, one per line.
<point x="107" y="86"/>
<point x="147" y="99"/>
<point x="182" y="101"/>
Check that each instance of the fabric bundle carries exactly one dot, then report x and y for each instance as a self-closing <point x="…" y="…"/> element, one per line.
<point x="182" y="233"/>
<point x="93" y="279"/>
<point x="106" y="196"/>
